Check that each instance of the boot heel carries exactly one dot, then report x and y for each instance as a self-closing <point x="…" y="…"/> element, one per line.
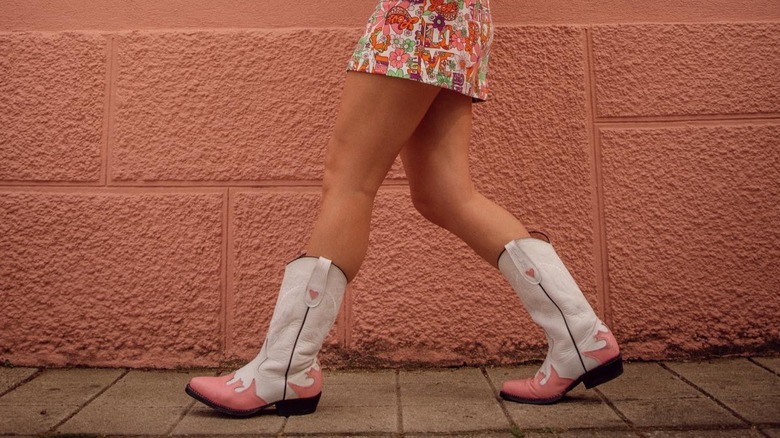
<point x="297" y="406"/>
<point x="603" y="373"/>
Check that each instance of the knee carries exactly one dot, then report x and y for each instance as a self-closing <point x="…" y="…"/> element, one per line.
<point x="442" y="209"/>
<point x="343" y="175"/>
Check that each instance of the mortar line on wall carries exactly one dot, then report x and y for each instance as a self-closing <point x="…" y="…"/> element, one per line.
<point x="349" y="317"/>
<point x="268" y="184"/>
<point x="653" y="122"/>
<point x="599" y="244"/>
<point x="107" y="113"/>
<point x="93" y="189"/>
<point x="227" y="297"/>
<point x="262" y="186"/>
<point x="342" y="331"/>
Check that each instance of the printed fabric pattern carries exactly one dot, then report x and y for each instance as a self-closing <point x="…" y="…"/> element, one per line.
<point x="438" y="42"/>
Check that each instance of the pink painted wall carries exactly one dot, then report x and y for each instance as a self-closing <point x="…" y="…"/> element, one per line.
<point x="160" y="162"/>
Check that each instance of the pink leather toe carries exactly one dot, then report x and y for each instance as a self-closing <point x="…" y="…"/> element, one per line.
<point x="218" y="391"/>
<point x="533" y="389"/>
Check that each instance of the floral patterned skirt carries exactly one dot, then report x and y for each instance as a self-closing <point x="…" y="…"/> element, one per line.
<point x="439" y="42"/>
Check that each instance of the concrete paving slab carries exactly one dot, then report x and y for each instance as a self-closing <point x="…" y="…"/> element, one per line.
<point x="202" y="420"/>
<point x="33" y="419"/>
<point x="346" y="419"/>
<point x="150" y="388"/>
<point x="584" y="434"/>
<point x="773" y="363"/>
<point x="453" y="400"/>
<point x="363" y="392"/>
<point x="463" y="385"/>
<point x="141" y="402"/>
<point x="10" y="377"/>
<point x="773" y="433"/>
<point x="676" y="412"/>
<point x="455" y="416"/>
<point x="122" y="420"/>
<point x="725" y="378"/>
<point x="494" y="434"/>
<point x="730" y="433"/>
<point x="647" y="381"/>
<point x="756" y="409"/>
<point x="566" y="414"/>
<point x="62" y="386"/>
<point x="352" y="402"/>
<point x="359" y="377"/>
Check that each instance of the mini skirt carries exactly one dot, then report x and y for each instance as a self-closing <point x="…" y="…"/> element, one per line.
<point x="445" y="43"/>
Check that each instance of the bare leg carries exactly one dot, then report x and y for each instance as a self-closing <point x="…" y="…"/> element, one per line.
<point x="437" y="165"/>
<point x="377" y="115"/>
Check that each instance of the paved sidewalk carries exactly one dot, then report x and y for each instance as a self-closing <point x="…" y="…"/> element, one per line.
<point x="718" y="398"/>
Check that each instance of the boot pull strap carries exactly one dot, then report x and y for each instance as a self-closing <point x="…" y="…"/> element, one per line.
<point x="523" y="263"/>
<point x="315" y="289"/>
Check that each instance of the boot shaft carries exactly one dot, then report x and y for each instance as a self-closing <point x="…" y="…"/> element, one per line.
<point x="547" y="290"/>
<point x="306" y="308"/>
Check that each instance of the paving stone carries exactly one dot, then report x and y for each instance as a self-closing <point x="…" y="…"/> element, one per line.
<point x="359" y="389"/>
<point x="736" y="433"/>
<point x="466" y="385"/>
<point x="492" y="434"/>
<point x="584" y="434"/>
<point x="773" y="433"/>
<point x="31" y="418"/>
<point x="123" y="420"/>
<point x="643" y="381"/>
<point x="456" y="400"/>
<point x="201" y="420"/>
<point x="676" y="412"/>
<point x="12" y="376"/>
<point x="756" y="409"/>
<point x="346" y="419"/>
<point x="373" y="435"/>
<point x="72" y="386"/>
<point x="51" y="397"/>
<point x="572" y="412"/>
<point x="455" y="416"/>
<point x="773" y="363"/>
<point x="359" y="377"/>
<point x="150" y="388"/>
<point x="141" y="402"/>
<point x="729" y="377"/>
<point x="751" y="391"/>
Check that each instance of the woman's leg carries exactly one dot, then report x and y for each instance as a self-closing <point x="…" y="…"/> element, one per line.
<point x="437" y="164"/>
<point x="377" y="115"/>
<point x="582" y="349"/>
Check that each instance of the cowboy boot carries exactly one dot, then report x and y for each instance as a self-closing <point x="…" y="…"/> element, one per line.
<point x="285" y="373"/>
<point x="580" y="347"/>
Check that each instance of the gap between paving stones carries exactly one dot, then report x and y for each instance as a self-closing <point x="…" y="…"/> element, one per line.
<point x="706" y="394"/>
<point x="89" y="400"/>
<point x="630" y="429"/>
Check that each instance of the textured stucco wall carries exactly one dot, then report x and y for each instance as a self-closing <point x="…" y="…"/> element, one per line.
<point x="156" y="176"/>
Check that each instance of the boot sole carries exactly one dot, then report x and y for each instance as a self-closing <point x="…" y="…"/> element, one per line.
<point x="284" y="408"/>
<point x="595" y="377"/>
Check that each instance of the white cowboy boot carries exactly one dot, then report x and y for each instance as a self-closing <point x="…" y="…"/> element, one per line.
<point x="580" y="347"/>
<point x="285" y="373"/>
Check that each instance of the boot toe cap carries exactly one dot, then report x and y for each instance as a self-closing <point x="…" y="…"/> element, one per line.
<point x="216" y="391"/>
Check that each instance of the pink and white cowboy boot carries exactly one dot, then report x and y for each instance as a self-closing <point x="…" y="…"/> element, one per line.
<point x="286" y="373"/>
<point x="580" y="347"/>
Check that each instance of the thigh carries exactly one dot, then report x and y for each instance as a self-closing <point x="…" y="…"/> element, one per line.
<point x="436" y="157"/>
<point x="376" y="117"/>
